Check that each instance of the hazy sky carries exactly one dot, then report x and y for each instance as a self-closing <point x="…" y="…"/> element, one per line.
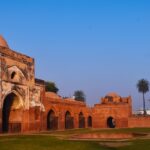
<point x="98" y="46"/>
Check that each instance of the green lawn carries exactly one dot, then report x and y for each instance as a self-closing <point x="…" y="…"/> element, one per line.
<point x="121" y="130"/>
<point x="44" y="143"/>
<point x="52" y="141"/>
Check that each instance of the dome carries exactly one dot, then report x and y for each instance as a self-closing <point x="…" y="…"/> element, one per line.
<point x="3" y="42"/>
<point x="113" y="94"/>
<point x="52" y="95"/>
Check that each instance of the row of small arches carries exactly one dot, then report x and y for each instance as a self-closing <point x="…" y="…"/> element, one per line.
<point x="52" y="121"/>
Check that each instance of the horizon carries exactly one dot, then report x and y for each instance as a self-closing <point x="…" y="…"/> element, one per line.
<point x="97" y="47"/>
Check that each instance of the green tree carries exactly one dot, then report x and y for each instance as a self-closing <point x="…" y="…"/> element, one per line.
<point x="143" y="87"/>
<point x="51" y="87"/>
<point x="79" y="96"/>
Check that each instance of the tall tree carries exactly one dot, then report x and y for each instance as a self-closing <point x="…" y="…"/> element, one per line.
<point x="51" y="87"/>
<point x="143" y="87"/>
<point x="79" y="96"/>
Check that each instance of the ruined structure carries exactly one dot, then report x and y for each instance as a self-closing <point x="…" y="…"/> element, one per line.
<point x="25" y="106"/>
<point x="19" y="91"/>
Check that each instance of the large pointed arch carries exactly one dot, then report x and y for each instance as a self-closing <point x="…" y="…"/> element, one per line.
<point x="12" y="112"/>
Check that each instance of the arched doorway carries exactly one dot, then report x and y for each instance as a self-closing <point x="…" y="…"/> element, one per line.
<point x="12" y="113"/>
<point x="69" y="123"/>
<point x="89" y="121"/>
<point x="81" y="120"/>
<point x="52" y="121"/>
<point x="111" y="122"/>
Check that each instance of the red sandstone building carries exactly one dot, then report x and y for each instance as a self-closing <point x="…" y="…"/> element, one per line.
<point x="25" y="106"/>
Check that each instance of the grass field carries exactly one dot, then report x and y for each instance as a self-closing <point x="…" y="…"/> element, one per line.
<point x="59" y="141"/>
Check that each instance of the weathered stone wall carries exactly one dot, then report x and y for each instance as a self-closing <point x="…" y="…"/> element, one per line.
<point x="36" y="107"/>
<point x="6" y="52"/>
<point x="139" y="121"/>
<point x="120" y="113"/>
<point x="60" y="106"/>
<point x="114" y="106"/>
<point x="17" y="77"/>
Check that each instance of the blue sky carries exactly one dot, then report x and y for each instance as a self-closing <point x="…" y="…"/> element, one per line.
<point x="98" y="46"/>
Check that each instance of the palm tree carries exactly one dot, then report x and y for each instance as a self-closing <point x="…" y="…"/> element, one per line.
<point x="143" y="87"/>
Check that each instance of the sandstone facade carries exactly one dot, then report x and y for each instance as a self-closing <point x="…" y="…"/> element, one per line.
<point x="25" y="106"/>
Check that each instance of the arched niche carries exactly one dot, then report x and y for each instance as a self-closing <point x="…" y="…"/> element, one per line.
<point x="89" y="121"/>
<point x="16" y="75"/>
<point x="111" y="122"/>
<point x="52" y="120"/>
<point x="69" y="120"/>
<point x="81" y="120"/>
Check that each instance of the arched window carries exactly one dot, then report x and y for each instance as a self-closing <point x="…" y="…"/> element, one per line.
<point x="13" y="74"/>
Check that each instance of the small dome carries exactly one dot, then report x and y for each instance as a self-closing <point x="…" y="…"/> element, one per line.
<point x="52" y="95"/>
<point x="113" y="94"/>
<point x="3" y="42"/>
